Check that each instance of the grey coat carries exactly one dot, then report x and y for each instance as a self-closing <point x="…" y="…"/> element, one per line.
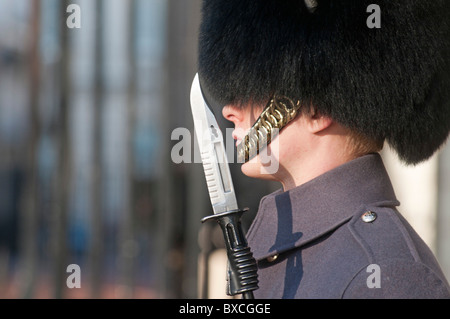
<point x="341" y="236"/>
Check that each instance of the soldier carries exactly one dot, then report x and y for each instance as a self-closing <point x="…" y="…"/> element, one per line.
<point x="337" y="88"/>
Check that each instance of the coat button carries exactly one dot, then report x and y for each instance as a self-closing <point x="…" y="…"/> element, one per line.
<point x="369" y="217"/>
<point x="271" y="259"/>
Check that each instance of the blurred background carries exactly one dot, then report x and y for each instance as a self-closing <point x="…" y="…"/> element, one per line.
<point x="87" y="113"/>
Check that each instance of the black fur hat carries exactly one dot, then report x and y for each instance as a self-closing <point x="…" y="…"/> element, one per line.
<point x="390" y="83"/>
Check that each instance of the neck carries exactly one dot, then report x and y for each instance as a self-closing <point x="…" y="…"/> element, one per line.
<point x="320" y="155"/>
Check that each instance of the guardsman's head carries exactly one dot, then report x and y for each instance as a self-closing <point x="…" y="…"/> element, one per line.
<point x="377" y="73"/>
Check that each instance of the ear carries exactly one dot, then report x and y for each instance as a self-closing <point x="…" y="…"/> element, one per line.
<point x="317" y="123"/>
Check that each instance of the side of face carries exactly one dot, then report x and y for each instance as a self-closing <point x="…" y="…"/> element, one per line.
<point x="297" y="152"/>
<point x="269" y="164"/>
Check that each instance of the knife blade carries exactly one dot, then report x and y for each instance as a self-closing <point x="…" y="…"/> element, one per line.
<point x="242" y="273"/>
<point x="212" y="153"/>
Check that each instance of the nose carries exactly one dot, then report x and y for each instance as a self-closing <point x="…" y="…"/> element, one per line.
<point x="231" y="113"/>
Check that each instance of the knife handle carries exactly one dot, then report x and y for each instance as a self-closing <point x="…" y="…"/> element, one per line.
<point x="242" y="275"/>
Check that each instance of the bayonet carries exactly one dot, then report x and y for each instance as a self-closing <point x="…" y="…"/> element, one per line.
<point x="242" y="270"/>
<point x="212" y="152"/>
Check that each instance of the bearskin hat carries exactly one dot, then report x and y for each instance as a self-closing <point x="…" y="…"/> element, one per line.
<point x="388" y="82"/>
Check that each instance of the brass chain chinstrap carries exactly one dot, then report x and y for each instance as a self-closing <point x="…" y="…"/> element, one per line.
<point x="278" y="113"/>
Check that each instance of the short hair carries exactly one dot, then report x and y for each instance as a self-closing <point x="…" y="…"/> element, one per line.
<point x="357" y="143"/>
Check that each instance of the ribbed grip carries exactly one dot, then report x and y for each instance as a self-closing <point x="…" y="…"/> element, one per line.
<point x="242" y="274"/>
<point x="244" y="269"/>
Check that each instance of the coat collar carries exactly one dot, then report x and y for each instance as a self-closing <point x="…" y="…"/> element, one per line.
<point x="286" y="220"/>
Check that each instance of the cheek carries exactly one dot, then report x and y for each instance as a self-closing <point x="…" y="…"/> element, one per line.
<point x="282" y="147"/>
<point x="266" y="165"/>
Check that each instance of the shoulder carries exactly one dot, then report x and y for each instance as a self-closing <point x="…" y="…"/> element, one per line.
<point x="397" y="279"/>
<point x="399" y="263"/>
